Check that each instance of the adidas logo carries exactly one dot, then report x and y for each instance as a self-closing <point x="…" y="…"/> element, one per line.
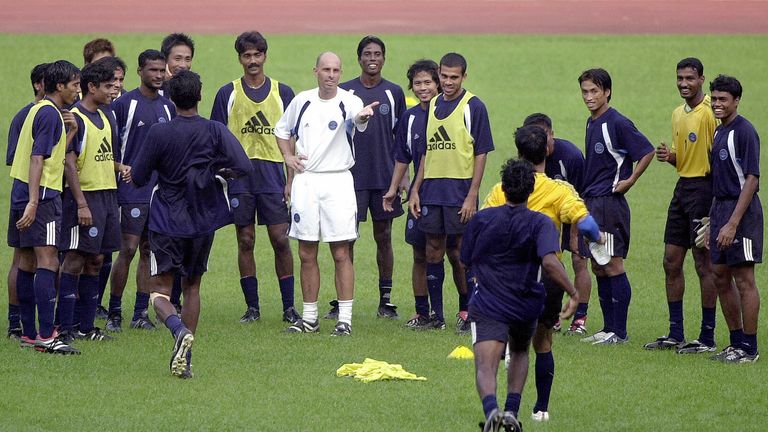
<point x="141" y="123"/>
<point x="104" y="154"/>
<point x="441" y="141"/>
<point x="258" y="124"/>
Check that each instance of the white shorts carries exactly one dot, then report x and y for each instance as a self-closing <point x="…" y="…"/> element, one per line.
<point x="323" y="204"/>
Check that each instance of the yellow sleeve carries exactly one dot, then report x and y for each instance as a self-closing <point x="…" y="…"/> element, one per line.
<point x="572" y="208"/>
<point x="495" y="197"/>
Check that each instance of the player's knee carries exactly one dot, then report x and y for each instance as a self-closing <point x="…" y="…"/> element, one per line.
<point x="454" y="256"/>
<point x="245" y="242"/>
<point x="153" y="296"/>
<point x="419" y="257"/>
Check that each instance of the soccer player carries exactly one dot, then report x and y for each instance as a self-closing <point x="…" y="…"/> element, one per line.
<point x="178" y="49"/>
<point x="559" y="201"/>
<point x="97" y="49"/>
<point x="410" y="146"/>
<point x="250" y="106"/>
<point x="36" y="76"/>
<point x="499" y="242"/>
<point x="35" y="218"/>
<point x="445" y="190"/>
<point x="374" y="161"/>
<point x="613" y="145"/>
<point x="736" y="220"/>
<point x="693" y="128"/>
<point x="189" y="204"/>
<point x="323" y="121"/>
<point x="566" y="162"/>
<point x="91" y="221"/>
<point x="136" y="111"/>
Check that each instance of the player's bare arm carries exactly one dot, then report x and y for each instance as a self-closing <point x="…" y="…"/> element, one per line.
<point x="623" y="186"/>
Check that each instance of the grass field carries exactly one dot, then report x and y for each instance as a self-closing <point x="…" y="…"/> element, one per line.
<point x="253" y="377"/>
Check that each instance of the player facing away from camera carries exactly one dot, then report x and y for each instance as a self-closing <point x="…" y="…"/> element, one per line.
<point x="693" y="128"/>
<point x="410" y="146"/>
<point x="613" y="145"/>
<point x="136" y="111"/>
<point x="445" y="191"/>
<point x="250" y="106"/>
<point x="374" y="161"/>
<point x="91" y="219"/>
<point x="736" y="220"/>
<point x="315" y="136"/>
<point x="34" y="224"/>
<point x="499" y="242"/>
<point x="36" y="77"/>
<point x="189" y="204"/>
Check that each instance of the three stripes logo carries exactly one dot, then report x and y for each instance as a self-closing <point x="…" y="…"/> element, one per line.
<point x="258" y="124"/>
<point x="104" y="154"/>
<point x="441" y="141"/>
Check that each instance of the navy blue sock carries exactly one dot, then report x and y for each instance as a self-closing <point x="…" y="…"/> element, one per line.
<point x="422" y="305"/>
<point x="435" y="278"/>
<point x="676" y="329"/>
<point x="750" y="343"/>
<point x="604" y="293"/>
<point x="106" y="269"/>
<point x="385" y="291"/>
<point x="489" y="404"/>
<point x="45" y="300"/>
<point x="545" y="374"/>
<point x="65" y="309"/>
<point x="581" y="311"/>
<point x="115" y="304"/>
<point x="142" y="303"/>
<point x="25" y="291"/>
<point x="286" y="291"/>
<point x="174" y="324"/>
<point x="176" y="290"/>
<point x="14" y="318"/>
<point x="622" y="294"/>
<point x="463" y="302"/>
<point x="78" y="312"/>
<point x="250" y="286"/>
<point x="513" y="403"/>
<point x="89" y="298"/>
<point x="708" y="320"/>
<point x="737" y="338"/>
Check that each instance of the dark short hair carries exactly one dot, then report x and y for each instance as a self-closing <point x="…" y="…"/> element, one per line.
<point x="728" y="84"/>
<point x="59" y="72"/>
<point x="38" y="75"/>
<point x="114" y="62"/>
<point x="96" y="46"/>
<point x="250" y="40"/>
<point x="368" y="40"/>
<point x="517" y="180"/>
<point x="175" y="39"/>
<point x="538" y="119"/>
<point x="693" y="63"/>
<point x="531" y="143"/>
<point x="600" y="77"/>
<point x="150" y="55"/>
<point x="423" y="65"/>
<point x="98" y="72"/>
<point x="454" y="60"/>
<point x="185" y="89"/>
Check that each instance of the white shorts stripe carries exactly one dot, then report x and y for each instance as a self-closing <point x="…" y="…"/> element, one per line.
<point x="152" y="264"/>
<point x="609" y="243"/>
<point x="474" y="332"/>
<point x="50" y="233"/>
<point x="747" y="249"/>
<point x="74" y="237"/>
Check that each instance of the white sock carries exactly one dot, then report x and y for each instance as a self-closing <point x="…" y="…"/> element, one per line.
<point x="309" y="314"/>
<point x="345" y="311"/>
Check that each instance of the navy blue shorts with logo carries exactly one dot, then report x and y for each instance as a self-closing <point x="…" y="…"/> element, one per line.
<point x="371" y="199"/>
<point x="416" y="237"/>
<point x="612" y="215"/>
<point x="44" y="231"/>
<point x="269" y="208"/>
<point x="691" y="202"/>
<point x="103" y="235"/>
<point x="186" y="256"/>
<point x="747" y="246"/>
<point x="437" y="219"/>
<point x="134" y="218"/>
<point x="518" y="334"/>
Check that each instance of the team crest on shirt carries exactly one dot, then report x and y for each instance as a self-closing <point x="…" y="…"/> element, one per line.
<point x="135" y="212"/>
<point x="424" y="210"/>
<point x="332" y="125"/>
<point x="93" y="232"/>
<point x="410" y="223"/>
<point x="235" y="202"/>
<point x="384" y="109"/>
<point x="296" y="217"/>
<point x="692" y="137"/>
<point x="599" y="148"/>
<point x="161" y="120"/>
<point x="723" y="154"/>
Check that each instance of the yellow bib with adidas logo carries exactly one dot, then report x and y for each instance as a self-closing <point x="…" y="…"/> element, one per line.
<point x="254" y="123"/>
<point x="450" y="146"/>
<point x="53" y="167"/>
<point x="96" y="163"/>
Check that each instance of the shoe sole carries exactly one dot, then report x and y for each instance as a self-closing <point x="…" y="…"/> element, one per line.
<point x="179" y="360"/>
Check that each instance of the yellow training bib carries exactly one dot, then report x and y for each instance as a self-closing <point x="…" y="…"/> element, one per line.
<point x="96" y="163"/>
<point x="450" y="146"/>
<point x="254" y="123"/>
<point x="53" y="167"/>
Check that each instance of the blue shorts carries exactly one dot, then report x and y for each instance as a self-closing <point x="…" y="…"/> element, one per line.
<point x="371" y="199"/>
<point x="747" y="244"/>
<point x="518" y="334"/>
<point x="691" y="201"/>
<point x="612" y="215"/>
<point x="103" y="235"/>
<point x="416" y="237"/>
<point x="186" y="256"/>
<point x="269" y="208"/>
<point x="44" y="231"/>
<point x="134" y="219"/>
<point x="436" y="219"/>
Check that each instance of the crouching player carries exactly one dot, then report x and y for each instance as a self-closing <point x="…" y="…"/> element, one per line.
<point x="188" y="205"/>
<point x="499" y="242"/>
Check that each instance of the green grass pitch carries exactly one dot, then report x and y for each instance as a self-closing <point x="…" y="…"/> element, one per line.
<point x="253" y="377"/>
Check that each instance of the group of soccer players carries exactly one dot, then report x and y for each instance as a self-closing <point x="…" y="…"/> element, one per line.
<point x="98" y="170"/>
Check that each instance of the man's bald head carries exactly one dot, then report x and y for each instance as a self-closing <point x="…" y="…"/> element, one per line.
<point x="328" y="72"/>
<point x="327" y="56"/>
